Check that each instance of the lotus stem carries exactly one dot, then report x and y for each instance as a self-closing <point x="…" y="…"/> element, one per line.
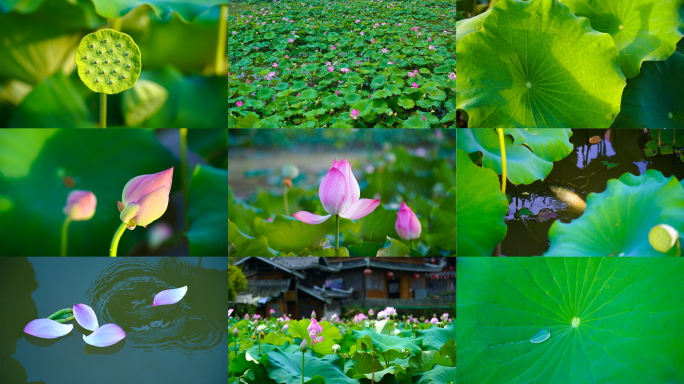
<point x="103" y="110"/>
<point x="65" y="235"/>
<point x="503" y="159"/>
<point x="413" y="244"/>
<point x="61" y="312"/>
<point x="287" y="208"/>
<point x="222" y="38"/>
<point x="302" y="367"/>
<point x="116" y="238"/>
<point x="184" y="173"/>
<point x="337" y="235"/>
<point x="70" y="318"/>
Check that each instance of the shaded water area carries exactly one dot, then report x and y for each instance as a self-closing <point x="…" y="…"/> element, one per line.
<point x="624" y="147"/>
<point x="181" y="343"/>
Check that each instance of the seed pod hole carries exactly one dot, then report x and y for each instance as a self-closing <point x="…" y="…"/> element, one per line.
<point x="128" y="65"/>
<point x="106" y="41"/>
<point x="100" y="51"/>
<point x="92" y="45"/>
<point x="97" y="80"/>
<point x="115" y="71"/>
<point x="120" y="45"/>
<point x="111" y="82"/>
<point x="111" y="50"/>
<point x="127" y="54"/>
<point x="104" y="72"/>
<point x="124" y="76"/>
<point x="89" y="71"/>
<point x="106" y="61"/>
<point x="86" y="57"/>
<point x="96" y="62"/>
<point x="118" y="60"/>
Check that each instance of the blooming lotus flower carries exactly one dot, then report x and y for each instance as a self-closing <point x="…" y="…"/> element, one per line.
<point x="80" y="205"/>
<point x="85" y="316"/>
<point x="452" y="76"/>
<point x="390" y="311"/>
<point x="285" y="327"/>
<point x="275" y="65"/>
<point x="384" y="50"/>
<point x="145" y="198"/>
<point x="339" y="193"/>
<point x="431" y="47"/>
<point x="229" y="312"/>
<point x="332" y="47"/>
<point x="382" y="315"/>
<point x="291" y="40"/>
<point x="272" y="311"/>
<point x="407" y="224"/>
<point x="434" y="320"/>
<point x="169" y="296"/>
<point x="47" y="329"/>
<point x="411" y="74"/>
<point x="104" y="336"/>
<point x="315" y="330"/>
<point x="354" y="114"/>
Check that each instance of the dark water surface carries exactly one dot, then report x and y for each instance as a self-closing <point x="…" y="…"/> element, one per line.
<point x="622" y="146"/>
<point x="180" y="343"/>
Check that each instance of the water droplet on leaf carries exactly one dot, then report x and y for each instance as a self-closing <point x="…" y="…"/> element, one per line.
<point x="540" y="336"/>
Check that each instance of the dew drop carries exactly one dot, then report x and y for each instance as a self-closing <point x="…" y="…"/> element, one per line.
<point x="540" y="336"/>
<point x="669" y="115"/>
<point x="621" y="26"/>
<point x="529" y="85"/>
<point x="575" y="322"/>
<point x="97" y="80"/>
<point x="127" y="54"/>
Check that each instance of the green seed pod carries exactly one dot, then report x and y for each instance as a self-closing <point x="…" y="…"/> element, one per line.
<point x="143" y="101"/>
<point x="116" y="78"/>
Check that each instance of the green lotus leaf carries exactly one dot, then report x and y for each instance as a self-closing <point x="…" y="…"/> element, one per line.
<point x="363" y="106"/>
<point x="535" y="64"/>
<point x="246" y="245"/>
<point x="309" y="94"/>
<point x="470" y="25"/>
<point x="451" y="116"/>
<point x="246" y="89"/>
<point x="256" y="104"/>
<point x="643" y="30"/>
<point x="188" y="11"/>
<point x="381" y="94"/>
<point x="416" y="121"/>
<point x="328" y="252"/>
<point x="406" y="103"/>
<point x="378" y="81"/>
<point x="298" y="328"/>
<point x="439" y="375"/>
<point x="333" y="101"/>
<point x="385" y="343"/>
<point x="442" y="232"/>
<point x="523" y="166"/>
<point x="352" y="98"/>
<point x="435" y="338"/>
<point x="108" y="61"/>
<point x="298" y="85"/>
<point x="355" y="79"/>
<point x="286" y="368"/>
<point x="436" y="94"/>
<point x="481" y="208"/>
<point x="653" y="99"/>
<point x="394" y="248"/>
<point x="207" y="212"/>
<point x="244" y="62"/>
<point x="548" y="144"/>
<point x="281" y="87"/>
<point x="617" y="222"/>
<point x="340" y="123"/>
<point x="609" y="320"/>
<point x="443" y="69"/>
<point x="265" y="93"/>
<point x="310" y="67"/>
<point x="418" y="61"/>
<point x="142" y="101"/>
<point x="249" y="121"/>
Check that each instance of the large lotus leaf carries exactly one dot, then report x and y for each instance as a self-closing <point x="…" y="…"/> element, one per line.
<point x="330" y="334"/>
<point x="481" y="208"/>
<point x="523" y="166"/>
<point x="207" y="212"/>
<point x="442" y="232"/>
<point x="654" y="98"/>
<point x="287" y="234"/>
<point x="439" y="375"/>
<point x="55" y="102"/>
<point x="548" y="144"/>
<point x="627" y="324"/>
<point x="188" y="11"/>
<point x="39" y="168"/>
<point x="286" y="368"/>
<point x="617" y="222"/>
<point x="244" y="245"/>
<point x="643" y="30"/>
<point x="535" y="64"/>
<point x="435" y="338"/>
<point x="467" y="26"/>
<point x="384" y="343"/>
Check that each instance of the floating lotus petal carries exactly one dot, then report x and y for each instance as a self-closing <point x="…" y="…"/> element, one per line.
<point x="106" y="335"/>
<point x="47" y="329"/>
<point x="170" y="296"/>
<point x="85" y="316"/>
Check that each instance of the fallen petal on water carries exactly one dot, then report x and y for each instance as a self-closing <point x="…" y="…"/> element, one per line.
<point x="106" y="335"/>
<point x="170" y="296"/>
<point x="47" y="329"/>
<point x="85" y="316"/>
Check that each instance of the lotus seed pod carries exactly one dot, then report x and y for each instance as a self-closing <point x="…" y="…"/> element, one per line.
<point x="143" y="101"/>
<point x="120" y="70"/>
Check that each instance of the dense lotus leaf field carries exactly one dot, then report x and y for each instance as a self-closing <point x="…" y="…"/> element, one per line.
<point x="347" y="352"/>
<point x="357" y="63"/>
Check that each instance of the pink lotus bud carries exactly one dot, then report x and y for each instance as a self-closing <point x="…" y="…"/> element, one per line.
<point x="434" y="320"/>
<point x="235" y="332"/>
<point x="313" y="314"/>
<point x="370" y="312"/>
<point x="145" y="198"/>
<point x="272" y="311"/>
<point x="339" y="193"/>
<point x="303" y="346"/>
<point x="80" y="205"/>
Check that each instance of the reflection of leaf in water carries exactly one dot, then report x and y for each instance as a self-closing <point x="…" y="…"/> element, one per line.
<point x="123" y="294"/>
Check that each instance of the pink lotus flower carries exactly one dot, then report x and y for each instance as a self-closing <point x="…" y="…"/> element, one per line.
<point x="291" y="40"/>
<point x="275" y="65"/>
<point x="429" y="39"/>
<point x="354" y="114"/>
<point x="332" y="47"/>
<point x="431" y="47"/>
<point x="452" y="76"/>
<point x="358" y="62"/>
<point x="337" y="93"/>
<point x="345" y="70"/>
<point x="104" y="336"/>
<point x="420" y="34"/>
<point x="339" y="193"/>
<point x="411" y="74"/>
<point x="415" y="85"/>
<point x="434" y="320"/>
<point x="239" y="104"/>
<point x="287" y="56"/>
<point x="80" y="205"/>
<point x="372" y="40"/>
<point x="169" y="296"/>
<point x="423" y="117"/>
<point x="229" y="312"/>
<point x="315" y="330"/>
<point x="407" y="224"/>
<point x="361" y="33"/>
<point x="331" y="69"/>
<point x="384" y="50"/>
<point x="415" y="71"/>
<point x="358" y="21"/>
<point x="145" y="198"/>
<point x="272" y="311"/>
<point x="390" y="311"/>
<point x="370" y="312"/>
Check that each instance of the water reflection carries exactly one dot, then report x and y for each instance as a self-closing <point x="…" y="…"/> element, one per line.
<point x="123" y="294"/>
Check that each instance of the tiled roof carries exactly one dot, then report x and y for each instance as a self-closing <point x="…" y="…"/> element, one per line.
<point x="300" y="263"/>
<point x="266" y="288"/>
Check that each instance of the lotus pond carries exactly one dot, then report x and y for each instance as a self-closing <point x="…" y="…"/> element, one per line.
<point x="359" y="63"/>
<point x="181" y="342"/>
<point x="362" y="350"/>
<point x="279" y="193"/>
<point x="579" y="192"/>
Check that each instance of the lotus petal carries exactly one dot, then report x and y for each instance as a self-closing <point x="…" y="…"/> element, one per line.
<point x="360" y="209"/>
<point x="105" y="336"/>
<point x="85" y="316"/>
<point x="310" y="218"/>
<point x="170" y="296"/>
<point x="47" y="329"/>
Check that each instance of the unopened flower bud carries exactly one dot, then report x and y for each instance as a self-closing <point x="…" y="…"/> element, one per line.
<point x="80" y="205"/>
<point x="303" y="346"/>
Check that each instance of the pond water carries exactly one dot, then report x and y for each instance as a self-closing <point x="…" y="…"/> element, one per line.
<point x="181" y="343"/>
<point x="624" y="147"/>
